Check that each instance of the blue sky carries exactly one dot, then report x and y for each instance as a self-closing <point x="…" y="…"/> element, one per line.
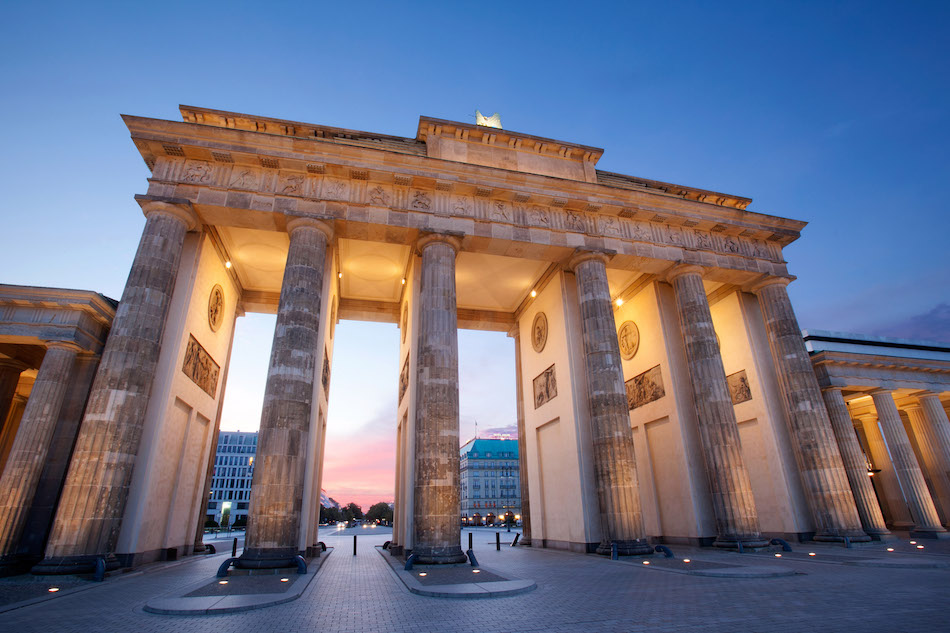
<point x="831" y="112"/>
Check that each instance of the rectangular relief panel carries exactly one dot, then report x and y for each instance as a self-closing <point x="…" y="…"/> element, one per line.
<point x="645" y="388"/>
<point x="545" y="387"/>
<point x="200" y="367"/>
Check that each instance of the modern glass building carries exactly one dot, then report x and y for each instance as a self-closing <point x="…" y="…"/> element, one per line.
<point x="231" y="482"/>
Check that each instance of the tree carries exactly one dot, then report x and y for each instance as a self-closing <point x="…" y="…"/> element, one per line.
<point x="355" y="510"/>
<point x="380" y="512"/>
<point x="330" y="515"/>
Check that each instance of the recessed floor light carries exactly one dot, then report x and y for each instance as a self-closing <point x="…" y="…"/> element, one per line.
<point x="53" y="589"/>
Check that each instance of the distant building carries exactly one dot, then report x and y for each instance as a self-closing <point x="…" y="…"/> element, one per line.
<point x="490" y="481"/>
<point x="233" y="471"/>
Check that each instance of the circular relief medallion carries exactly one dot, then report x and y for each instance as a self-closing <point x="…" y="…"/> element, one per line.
<point x="629" y="337"/>
<point x="539" y="332"/>
<point x="216" y="307"/>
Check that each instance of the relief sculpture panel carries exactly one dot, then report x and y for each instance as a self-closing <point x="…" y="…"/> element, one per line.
<point x="200" y="367"/>
<point x="739" y="389"/>
<point x="645" y="388"/>
<point x="545" y="387"/>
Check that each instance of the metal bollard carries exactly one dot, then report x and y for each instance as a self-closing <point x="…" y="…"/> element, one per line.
<point x="354" y="545"/>
<point x="234" y="547"/>
<point x="515" y="542"/>
<point x="469" y="540"/>
<point x="498" y="541"/>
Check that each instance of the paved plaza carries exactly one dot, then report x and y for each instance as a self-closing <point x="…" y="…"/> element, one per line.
<point x="864" y="589"/>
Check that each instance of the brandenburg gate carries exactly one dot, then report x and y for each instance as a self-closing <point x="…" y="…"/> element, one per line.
<point x="664" y="390"/>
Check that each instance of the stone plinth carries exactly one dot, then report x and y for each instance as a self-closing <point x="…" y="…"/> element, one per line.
<point x="736" y="518"/>
<point x="855" y="465"/>
<point x="816" y="451"/>
<point x="96" y="490"/>
<point x="437" y="508"/>
<point x="278" y="486"/>
<point x="28" y="455"/>
<point x="911" y="479"/>
<point x="615" y="468"/>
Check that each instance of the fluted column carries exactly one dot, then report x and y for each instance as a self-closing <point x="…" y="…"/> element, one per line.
<point x="822" y="470"/>
<point x="733" y="503"/>
<point x="938" y="430"/>
<point x="437" y="511"/>
<point x="911" y="480"/>
<point x="28" y="455"/>
<point x="615" y="467"/>
<point x="522" y="448"/>
<point x="94" y="495"/>
<point x="891" y="500"/>
<point x="10" y="370"/>
<point x="296" y="356"/>
<point x="929" y="458"/>
<point x="854" y="464"/>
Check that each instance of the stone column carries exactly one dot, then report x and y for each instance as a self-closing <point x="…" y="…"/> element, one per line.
<point x="823" y="473"/>
<point x="854" y="464"/>
<point x="615" y="467"/>
<point x="10" y="370"/>
<point x="437" y="511"/>
<point x="274" y="519"/>
<point x="522" y="448"/>
<point x="913" y="486"/>
<point x="938" y="429"/>
<point x="28" y="455"/>
<point x="884" y="481"/>
<point x="734" y="506"/>
<point x="94" y="495"/>
<point x="930" y="459"/>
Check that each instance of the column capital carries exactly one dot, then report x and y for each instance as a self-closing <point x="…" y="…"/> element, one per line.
<point x="582" y="256"/>
<point x="880" y="391"/>
<point x="65" y="345"/>
<point x="767" y="282"/>
<point x="301" y="222"/>
<point x="831" y="388"/>
<point x="680" y="269"/>
<point x="182" y="212"/>
<point x="432" y="238"/>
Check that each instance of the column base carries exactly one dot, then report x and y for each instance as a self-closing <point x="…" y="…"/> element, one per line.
<point x="439" y="555"/>
<point x="748" y="541"/>
<point x="829" y="536"/>
<point x="524" y="541"/>
<point x="636" y="547"/>
<point x="880" y="535"/>
<point x="267" y="558"/>
<point x="63" y="565"/>
<point x="939" y="534"/>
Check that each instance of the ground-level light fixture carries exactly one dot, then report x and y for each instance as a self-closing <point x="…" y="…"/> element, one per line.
<point x="53" y="589"/>
<point x="686" y="560"/>
<point x="890" y="549"/>
<point x="646" y="562"/>
<point x="285" y="579"/>
<point x="222" y="582"/>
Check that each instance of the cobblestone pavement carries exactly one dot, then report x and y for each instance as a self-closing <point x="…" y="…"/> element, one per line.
<point x="575" y="593"/>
